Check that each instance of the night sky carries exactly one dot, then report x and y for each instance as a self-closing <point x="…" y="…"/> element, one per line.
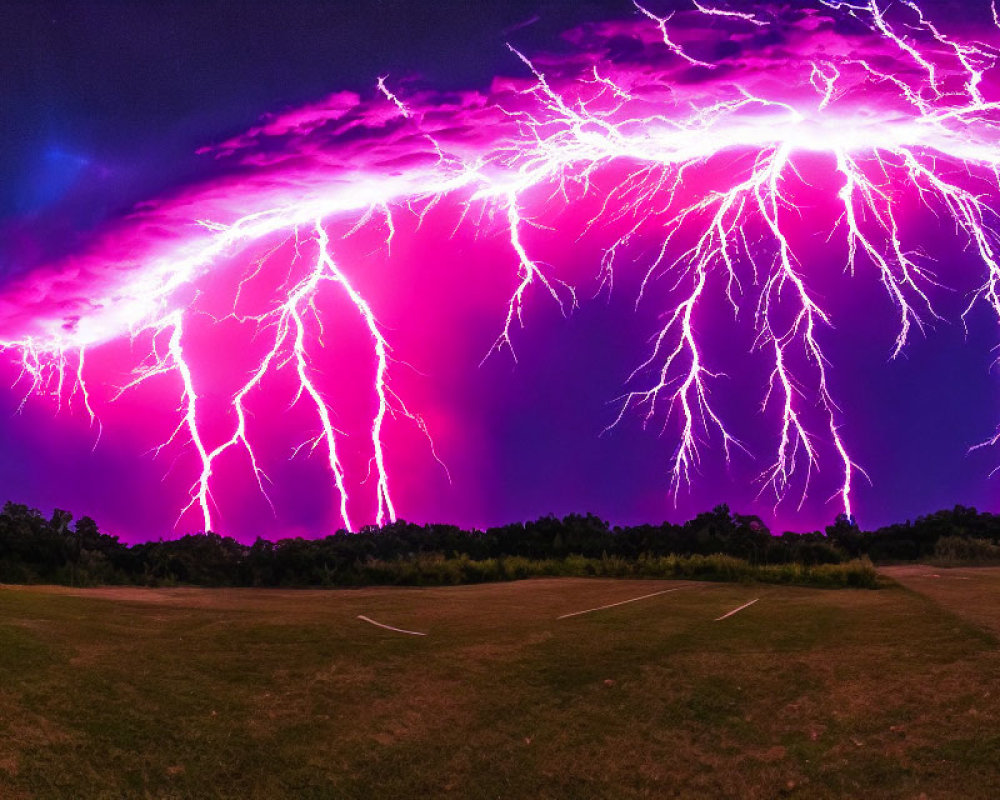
<point x="110" y="105"/>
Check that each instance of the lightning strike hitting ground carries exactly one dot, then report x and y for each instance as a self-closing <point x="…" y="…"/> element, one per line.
<point x="701" y="155"/>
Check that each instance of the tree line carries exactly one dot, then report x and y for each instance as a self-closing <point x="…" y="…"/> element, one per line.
<point x="36" y="549"/>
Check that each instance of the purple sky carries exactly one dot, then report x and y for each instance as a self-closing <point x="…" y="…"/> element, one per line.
<point x="113" y="104"/>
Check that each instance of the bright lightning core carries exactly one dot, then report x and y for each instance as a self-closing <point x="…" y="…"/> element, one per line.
<point x="725" y="157"/>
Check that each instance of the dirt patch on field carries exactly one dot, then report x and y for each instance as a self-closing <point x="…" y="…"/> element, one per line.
<point x="20" y="732"/>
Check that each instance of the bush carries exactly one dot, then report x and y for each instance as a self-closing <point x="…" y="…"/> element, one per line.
<point x="437" y="570"/>
<point x="951" y="550"/>
<point x="716" y="545"/>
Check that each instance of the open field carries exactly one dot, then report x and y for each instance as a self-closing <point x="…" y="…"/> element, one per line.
<point x="270" y="693"/>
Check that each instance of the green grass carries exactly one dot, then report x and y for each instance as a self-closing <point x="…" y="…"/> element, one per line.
<point x="436" y="570"/>
<point x="202" y="693"/>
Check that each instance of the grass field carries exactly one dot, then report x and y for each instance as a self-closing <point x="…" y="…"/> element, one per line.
<point x="208" y="693"/>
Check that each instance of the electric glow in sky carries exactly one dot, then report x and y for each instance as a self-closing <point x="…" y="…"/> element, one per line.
<point x="727" y="155"/>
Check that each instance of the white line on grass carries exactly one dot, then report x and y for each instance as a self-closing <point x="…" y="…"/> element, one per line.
<point x="730" y="613"/>
<point x="389" y="627"/>
<point x="623" y="602"/>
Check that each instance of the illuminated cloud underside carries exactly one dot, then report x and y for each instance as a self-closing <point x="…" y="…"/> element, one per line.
<point x="703" y="150"/>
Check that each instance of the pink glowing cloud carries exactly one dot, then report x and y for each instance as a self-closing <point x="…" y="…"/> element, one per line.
<point x="707" y="149"/>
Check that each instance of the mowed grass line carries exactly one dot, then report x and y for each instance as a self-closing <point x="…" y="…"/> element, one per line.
<point x="972" y="593"/>
<point x="259" y="694"/>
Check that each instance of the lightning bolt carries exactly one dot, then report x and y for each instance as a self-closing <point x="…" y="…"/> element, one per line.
<point x="636" y="141"/>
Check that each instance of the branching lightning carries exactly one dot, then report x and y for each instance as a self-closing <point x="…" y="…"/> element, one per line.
<point x="909" y="115"/>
